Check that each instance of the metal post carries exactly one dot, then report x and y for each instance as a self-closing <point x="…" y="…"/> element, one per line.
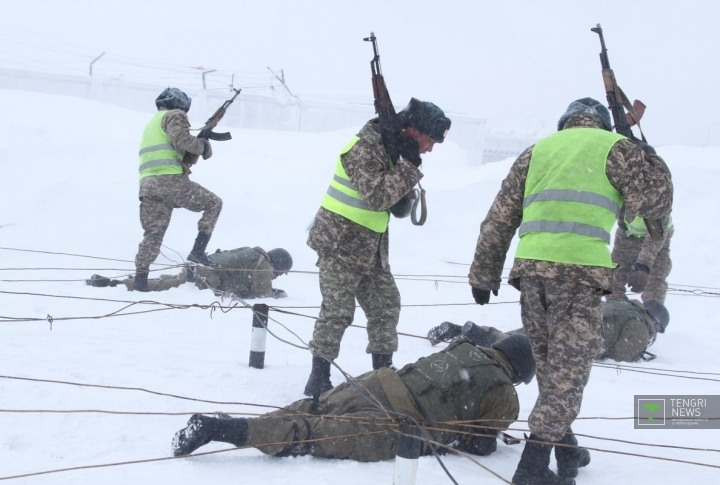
<point x="259" y="334"/>
<point x="406" y="458"/>
<point x="207" y="72"/>
<point x="94" y="61"/>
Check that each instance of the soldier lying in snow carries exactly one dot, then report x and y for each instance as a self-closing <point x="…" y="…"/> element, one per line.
<point x="461" y="383"/>
<point x="629" y="328"/>
<point x="243" y="272"/>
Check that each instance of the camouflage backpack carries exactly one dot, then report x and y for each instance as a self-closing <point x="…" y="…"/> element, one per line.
<point x="628" y="331"/>
<point x="229" y="275"/>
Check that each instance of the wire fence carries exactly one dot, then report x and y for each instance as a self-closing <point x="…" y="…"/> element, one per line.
<point x="392" y="424"/>
<point x="29" y="50"/>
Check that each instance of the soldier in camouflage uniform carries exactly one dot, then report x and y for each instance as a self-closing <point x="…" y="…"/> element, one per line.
<point x="167" y="150"/>
<point x="350" y="236"/>
<point x="643" y="263"/>
<point x="628" y="330"/>
<point x="243" y="273"/>
<point x="565" y="194"/>
<point x="462" y="383"/>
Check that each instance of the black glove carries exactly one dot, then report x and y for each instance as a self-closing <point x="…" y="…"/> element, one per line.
<point x="482" y="296"/>
<point x="207" y="152"/>
<point x="101" y="281"/>
<point x="409" y="149"/>
<point x="403" y="207"/>
<point x="638" y="278"/>
<point x="481" y="445"/>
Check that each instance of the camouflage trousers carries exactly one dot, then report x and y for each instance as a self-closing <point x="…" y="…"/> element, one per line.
<point x="377" y="295"/>
<point x="563" y="320"/>
<point x="159" y="195"/>
<point x="625" y="252"/>
<point x="162" y="283"/>
<point x="345" y="425"/>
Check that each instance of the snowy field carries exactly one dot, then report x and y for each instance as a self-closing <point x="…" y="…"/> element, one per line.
<point x="69" y="186"/>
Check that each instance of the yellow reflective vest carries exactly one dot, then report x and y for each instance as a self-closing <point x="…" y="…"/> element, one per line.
<point x="342" y="199"/>
<point x="637" y="227"/>
<point x="157" y="155"/>
<point x="570" y="206"/>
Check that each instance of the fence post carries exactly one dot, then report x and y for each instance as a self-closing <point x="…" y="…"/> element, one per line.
<point x="259" y="334"/>
<point x="406" y="458"/>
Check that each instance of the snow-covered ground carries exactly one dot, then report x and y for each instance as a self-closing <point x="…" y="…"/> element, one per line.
<point x="69" y="185"/>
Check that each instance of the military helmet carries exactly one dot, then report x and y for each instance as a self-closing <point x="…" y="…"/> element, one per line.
<point x="659" y="314"/>
<point x="517" y="349"/>
<point x="589" y="106"/>
<point x="426" y="118"/>
<point x="173" y="98"/>
<point x="280" y="260"/>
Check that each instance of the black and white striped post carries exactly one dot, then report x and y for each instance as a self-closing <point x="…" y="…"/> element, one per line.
<point x="259" y="335"/>
<point x="406" y="459"/>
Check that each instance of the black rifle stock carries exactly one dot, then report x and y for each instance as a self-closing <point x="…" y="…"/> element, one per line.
<point x="617" y="103"/>
<point x="206" y="131"/>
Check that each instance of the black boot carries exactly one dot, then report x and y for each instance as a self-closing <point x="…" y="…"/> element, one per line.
<point x="201" y="430"/>
<point x="477" y="335"/>
<point x="319" y="380"/>
<point x="99" y="281"/>
<point x="140" y="282"/>
<point x="570" y="458"/>
<point x="382" y="360"/>
<point x="198" y="254"/>
<point x="533" y="467"/>
<point x="444" y="332"/>
<point x="190" y="273"/>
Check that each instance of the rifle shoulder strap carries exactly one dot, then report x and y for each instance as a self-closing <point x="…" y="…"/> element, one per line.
<point x="629" y="107"/>
<point x="419" y="200"/>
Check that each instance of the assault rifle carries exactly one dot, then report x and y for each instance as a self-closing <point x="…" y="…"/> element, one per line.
<point x="206" y="131"/>
<point x="618" y="103"/>
<point x="383" y="106"/>
<point x="389" y="129"/>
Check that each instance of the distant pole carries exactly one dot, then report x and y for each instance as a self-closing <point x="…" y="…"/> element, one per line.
<point x="281" y="78"/>
<point x="707" y="142"/>
<point x="203" y="76"/>
<point x="94" y="61"/>
<point x="259" y="335"/>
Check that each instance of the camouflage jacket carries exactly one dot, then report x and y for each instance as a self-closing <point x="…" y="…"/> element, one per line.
<point x="644" y="182"/>
<point x="244" y="272"/>
<point x="650" y="247"/>
<point x="380" y="187"/>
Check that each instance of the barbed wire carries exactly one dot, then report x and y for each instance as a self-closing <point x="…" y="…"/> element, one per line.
<point x="283" y="309"/>
<point x="245" y="305"/>
<point x="697" y="290"/>
<point x="44" y="57"/>
<point x="391" y="427"/>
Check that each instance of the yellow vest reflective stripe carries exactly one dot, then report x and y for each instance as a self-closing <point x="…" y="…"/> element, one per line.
<point x="342" y="199"/>
<point x="157" y="155"/>
<point x="637" y="227"/>
<point x="570" y="206"/>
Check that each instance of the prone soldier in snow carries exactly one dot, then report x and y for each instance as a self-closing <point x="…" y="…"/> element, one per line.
<point x="629" y="328"/>
<point x="464" y="395"/>
<point x="243" y="273"/>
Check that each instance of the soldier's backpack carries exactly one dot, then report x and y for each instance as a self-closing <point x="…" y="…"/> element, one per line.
<point x="628" y="331"/>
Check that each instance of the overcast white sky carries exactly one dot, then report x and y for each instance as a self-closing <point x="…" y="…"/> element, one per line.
<point x="516" y="63"/>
